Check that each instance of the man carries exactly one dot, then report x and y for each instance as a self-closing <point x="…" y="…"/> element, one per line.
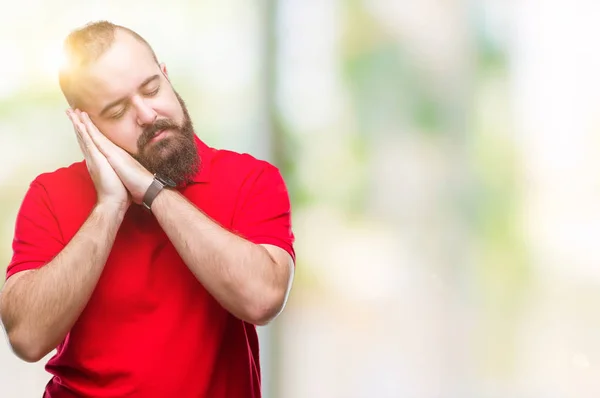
<point x="148" y="264"/>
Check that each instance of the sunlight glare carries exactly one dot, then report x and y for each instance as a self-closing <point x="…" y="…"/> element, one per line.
<point x="53" y="60"/>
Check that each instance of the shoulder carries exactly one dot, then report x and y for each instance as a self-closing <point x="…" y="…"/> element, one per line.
<point x="248" y="176"/>
<point x="71" y="176"/>
<point x="242" y="161"/>
<point x="66" y="185"/>
<point x="240" y="167"/>
<point x="245" y="180"/>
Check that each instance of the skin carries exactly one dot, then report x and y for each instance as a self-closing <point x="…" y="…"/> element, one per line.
<point x="39" y="307"/>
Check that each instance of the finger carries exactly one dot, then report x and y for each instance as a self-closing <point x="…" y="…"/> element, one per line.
<point x="82" y="146"/>
<point x="114" y="153"/>
<point x="100" y="141"/>
<point x="78" y="121"/>
<point x="116" y="156"/>
<point x="77" y="125"/>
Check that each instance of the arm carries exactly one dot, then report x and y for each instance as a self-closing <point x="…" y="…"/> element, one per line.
<point x="251" y="281"/>
<point x="39" y="307"/>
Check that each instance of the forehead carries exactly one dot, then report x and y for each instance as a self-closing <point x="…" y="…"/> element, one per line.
<point x="118" y="72"/>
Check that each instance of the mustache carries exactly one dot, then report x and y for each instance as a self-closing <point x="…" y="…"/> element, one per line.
<point x="150" y="131"/>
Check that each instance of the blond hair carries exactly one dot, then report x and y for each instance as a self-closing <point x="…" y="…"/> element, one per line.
<point x="85" y="45"/>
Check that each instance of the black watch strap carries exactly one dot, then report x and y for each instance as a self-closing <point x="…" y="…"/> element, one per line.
<point x="154" y="189"/>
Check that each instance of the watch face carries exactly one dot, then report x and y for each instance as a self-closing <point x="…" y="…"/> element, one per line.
<point x="166" y="181"/>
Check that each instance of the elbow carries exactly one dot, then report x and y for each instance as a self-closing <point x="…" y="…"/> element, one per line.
<point x="26" y="349"/>
<point x="266" y="310"/>
<point x="21" y="344"/>
<point x="263" y="318"/>
<point x="21" y="340"/>
<point x="30" y="357"/>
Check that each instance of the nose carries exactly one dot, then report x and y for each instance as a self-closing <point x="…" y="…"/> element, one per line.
<point x="145" y="113"/>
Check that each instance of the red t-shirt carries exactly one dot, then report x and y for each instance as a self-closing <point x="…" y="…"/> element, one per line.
<point x="150" y="328"/>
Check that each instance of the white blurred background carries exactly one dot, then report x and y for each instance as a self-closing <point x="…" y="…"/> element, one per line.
<point x="441" y="157"/>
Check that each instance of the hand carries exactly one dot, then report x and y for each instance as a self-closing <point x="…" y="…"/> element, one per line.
<point x="109" y="188"/>
<point x="132" y="174"/>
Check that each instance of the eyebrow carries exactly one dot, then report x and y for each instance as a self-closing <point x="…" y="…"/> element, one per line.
<point x="121" y="100"/>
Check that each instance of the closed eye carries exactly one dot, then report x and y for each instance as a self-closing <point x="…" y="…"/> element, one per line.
<point x="153" y="92"/>
<point x="119" y="114"/>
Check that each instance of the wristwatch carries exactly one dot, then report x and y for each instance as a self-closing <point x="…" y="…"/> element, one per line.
<point x="154" y="189"/>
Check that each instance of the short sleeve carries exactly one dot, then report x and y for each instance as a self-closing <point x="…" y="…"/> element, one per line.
<point x="263" y="214"/>
<point x="37" y="238"/>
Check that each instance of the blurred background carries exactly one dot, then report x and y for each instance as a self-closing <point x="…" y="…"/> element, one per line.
<point x="441" y="157"/>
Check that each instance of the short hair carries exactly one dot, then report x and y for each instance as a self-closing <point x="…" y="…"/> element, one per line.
<point x="85" y="45"/>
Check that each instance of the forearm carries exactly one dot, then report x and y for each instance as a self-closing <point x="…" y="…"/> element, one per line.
<point x="241" y="275"/>
<point x="41" y="307"/>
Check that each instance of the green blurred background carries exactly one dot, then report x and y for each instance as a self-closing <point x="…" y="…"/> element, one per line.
<point x="441" y="157"/>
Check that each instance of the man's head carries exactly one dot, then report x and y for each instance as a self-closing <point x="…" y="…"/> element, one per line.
<point x="113" y="74"/>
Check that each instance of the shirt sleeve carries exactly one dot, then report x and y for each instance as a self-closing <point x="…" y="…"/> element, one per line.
<point x="37" y="238"/>
<point x="263" y="214"/>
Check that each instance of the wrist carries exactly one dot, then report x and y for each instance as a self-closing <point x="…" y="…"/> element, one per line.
<point x="161" y="198"/>
<point x="111" y="209"/>
<point x="147" y="179"/>
<point x="157" y="186"/>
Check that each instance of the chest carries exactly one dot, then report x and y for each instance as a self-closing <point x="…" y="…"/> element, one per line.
<point x="144" y="272"/>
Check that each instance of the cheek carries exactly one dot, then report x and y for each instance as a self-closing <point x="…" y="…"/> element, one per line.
<point x="124" y="134"/>
<point x="171" y="109"/>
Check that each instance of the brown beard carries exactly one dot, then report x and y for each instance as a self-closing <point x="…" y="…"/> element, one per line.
<point x="174" y="156"/>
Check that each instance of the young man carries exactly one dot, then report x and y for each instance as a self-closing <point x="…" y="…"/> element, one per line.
<point x="147" y="265"/>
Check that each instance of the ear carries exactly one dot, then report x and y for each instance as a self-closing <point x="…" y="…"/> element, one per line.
<point x="163" y="69"/>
